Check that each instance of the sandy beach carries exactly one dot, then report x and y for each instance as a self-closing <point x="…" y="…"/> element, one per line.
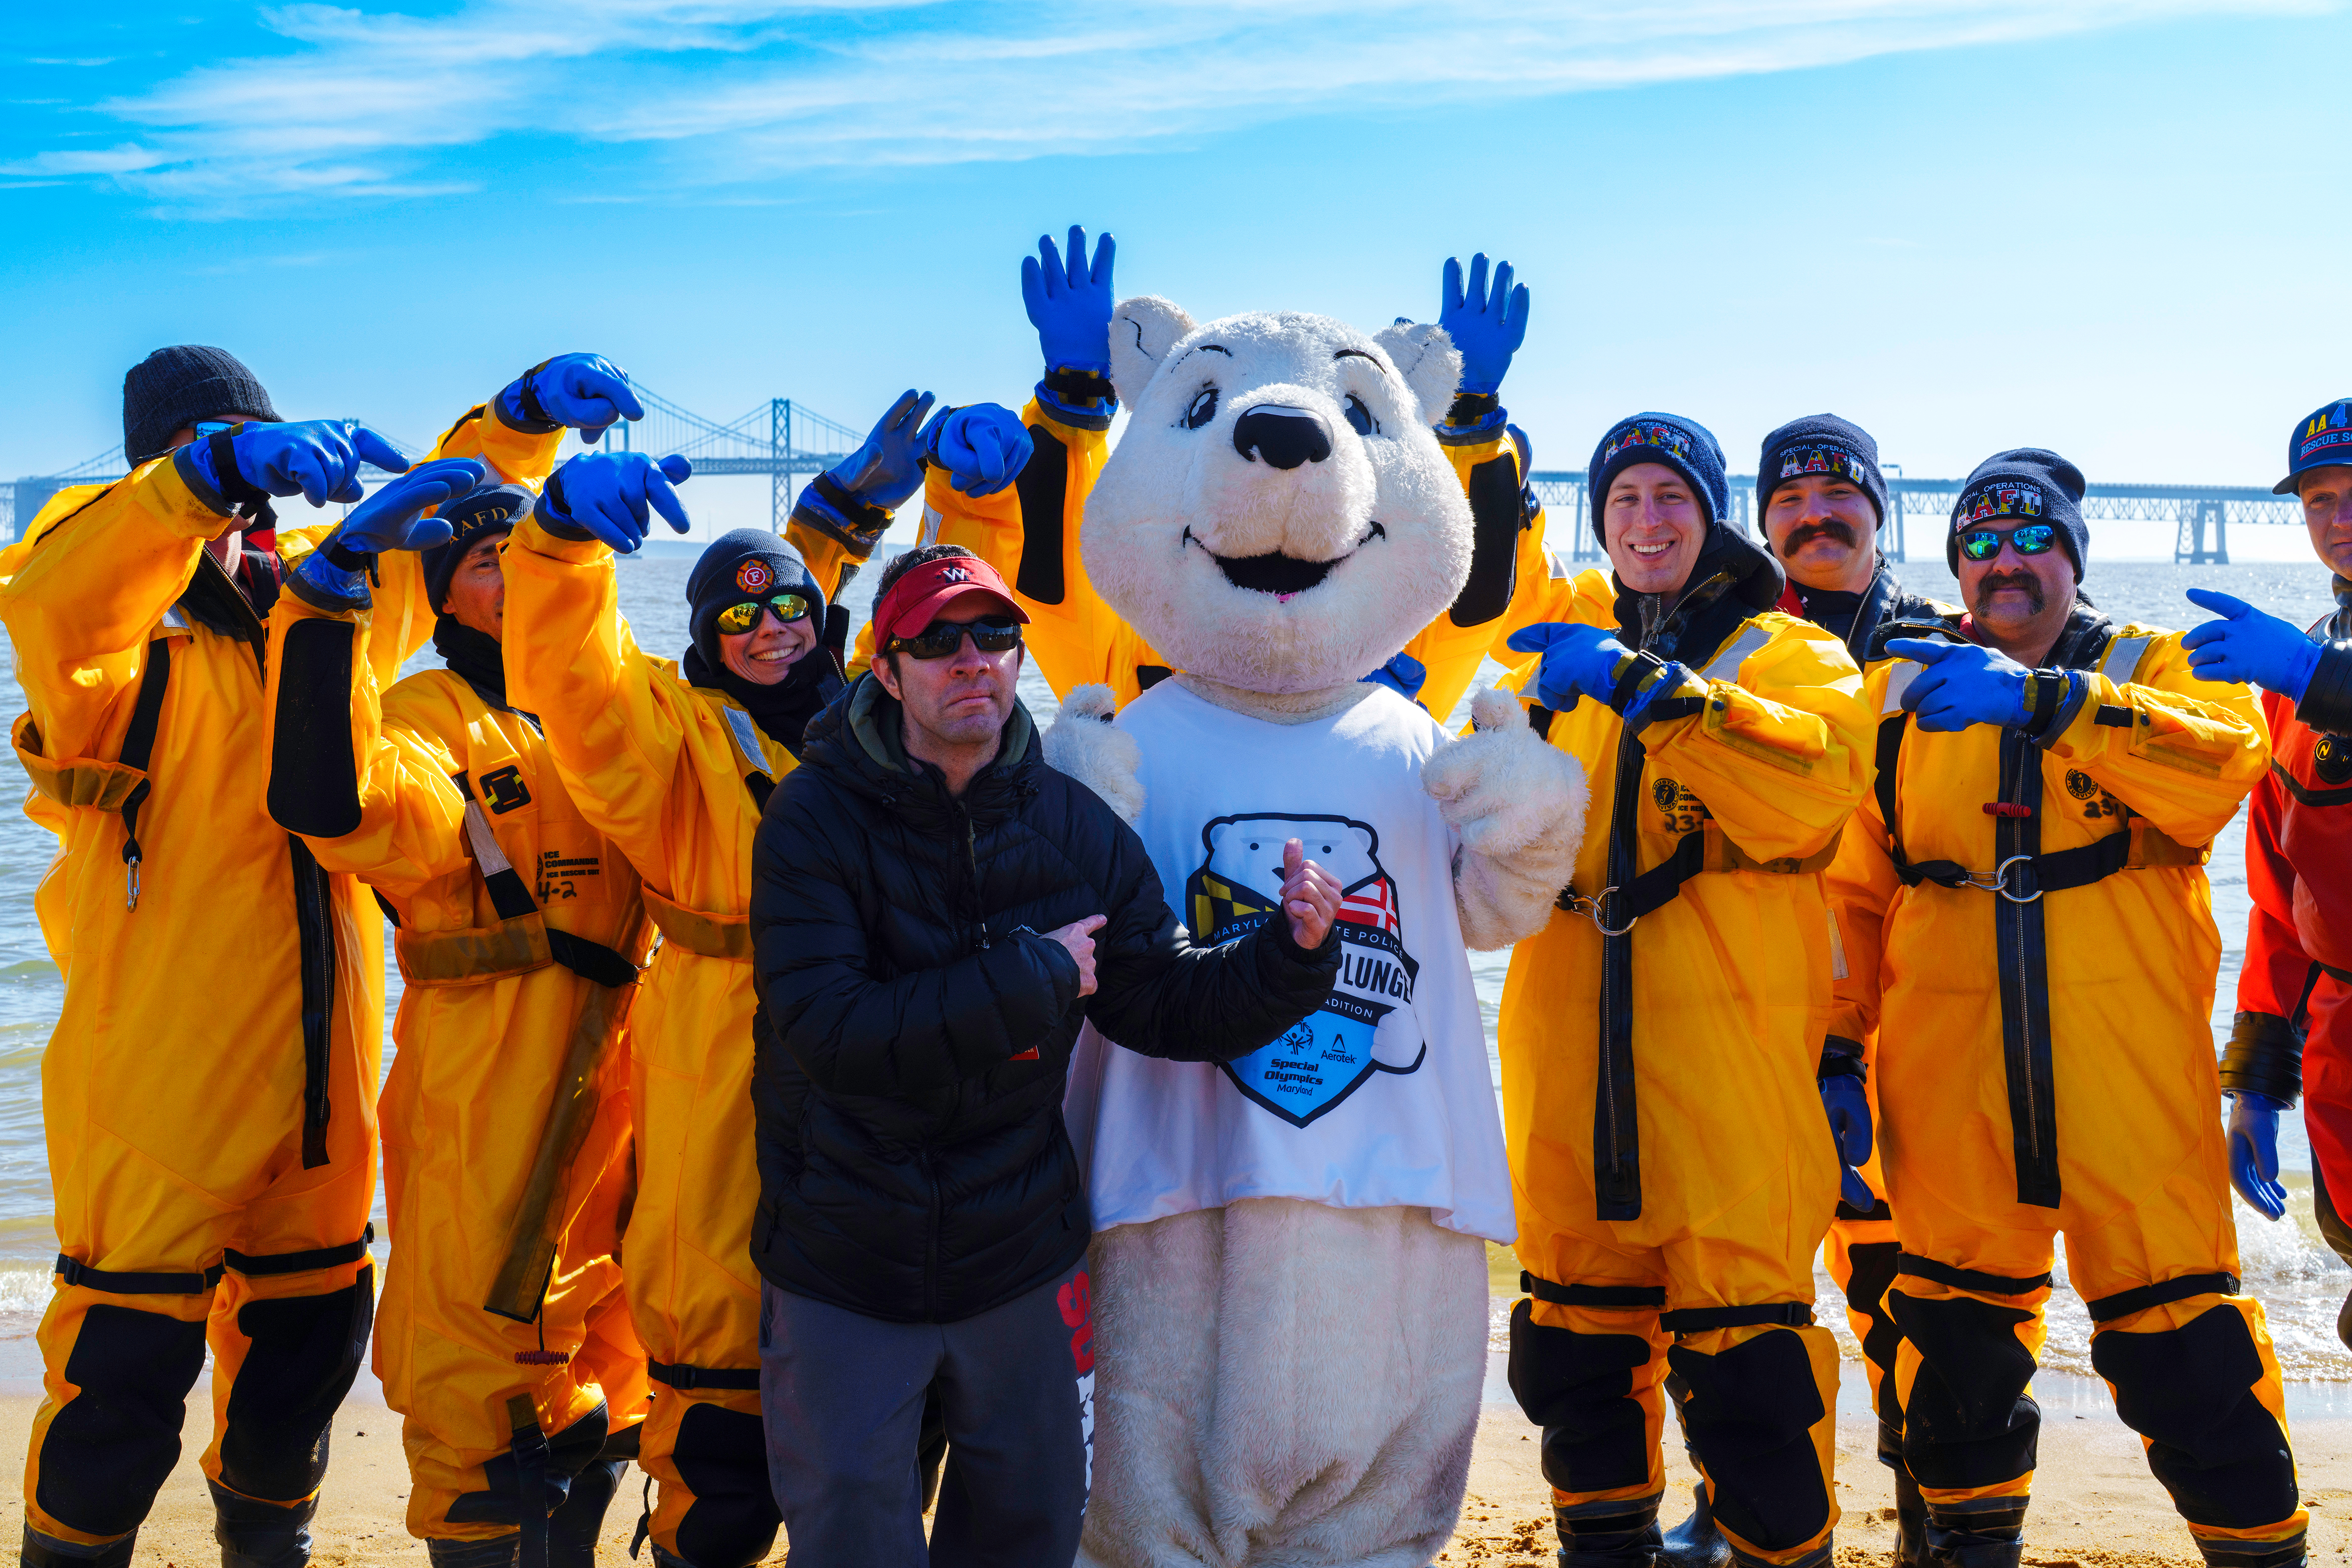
<point x="2095" y="1505"/>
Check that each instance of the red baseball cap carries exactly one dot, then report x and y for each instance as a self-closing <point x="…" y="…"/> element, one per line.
<point x="918" y="596"/>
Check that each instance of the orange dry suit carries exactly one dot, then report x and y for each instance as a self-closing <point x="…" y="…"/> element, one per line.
<point x="1029" y="533"/>
<point x="209" y="1091"/>
<point x="1673" y="1170"/>
<point x="2293" y="1028"/>
<point x="675" y="775"/>
<point x="502" y="1337"/>
<point x="2033" y="943"/>
<point x="1860" y="1252"/>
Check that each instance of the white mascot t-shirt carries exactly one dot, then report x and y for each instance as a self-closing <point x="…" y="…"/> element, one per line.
<point x="1382" y="1098"/>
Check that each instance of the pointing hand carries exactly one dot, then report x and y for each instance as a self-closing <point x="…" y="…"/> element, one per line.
<point x="608" y="495"/>
<point x="2249" y="646"/>
<point x="1078" y="939"/>
<point x="1964" y="684"/>
<point x="1310" y="897"/>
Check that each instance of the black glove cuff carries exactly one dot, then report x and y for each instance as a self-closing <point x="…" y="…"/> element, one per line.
<point x="241" y="496"/>
<point x="855" y="526"/>
<point x="1075" y="386"/>
<point x="534" y="420"/>
<point x="1638" y="672"/>
<point x="550" y="512"/>
<point x="1472" y="408"/>
<point x="2326" y="703"/>
<point x="2264" y="1056"/>
<point x="1841" y="1058"/>
<point x="345" y="557"/>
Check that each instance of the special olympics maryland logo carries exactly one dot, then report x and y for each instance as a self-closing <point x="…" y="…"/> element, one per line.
<point x="754" y="576"/>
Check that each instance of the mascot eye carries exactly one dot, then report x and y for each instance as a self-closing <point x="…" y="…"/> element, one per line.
<point x="1360" y="417"/>
<point x="1204" y="409"/>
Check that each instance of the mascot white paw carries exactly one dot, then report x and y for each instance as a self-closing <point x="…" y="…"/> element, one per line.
<point x="1519" y="805"/>
<point x="1083" y="745"/>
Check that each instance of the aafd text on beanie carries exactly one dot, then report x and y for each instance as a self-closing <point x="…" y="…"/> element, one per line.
<point x="1825" y="445"/>
<point x="1682" y="445"/>
<point x="2023" y="485"/>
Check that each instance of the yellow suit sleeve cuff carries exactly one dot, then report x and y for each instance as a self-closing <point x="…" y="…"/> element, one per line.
<point x="577" y="552"/>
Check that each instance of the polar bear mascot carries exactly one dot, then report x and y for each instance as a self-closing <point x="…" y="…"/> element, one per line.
<point x="1290" y="1273"/>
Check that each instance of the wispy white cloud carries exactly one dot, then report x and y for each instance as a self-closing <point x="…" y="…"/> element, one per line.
<point x="737" y="92"/>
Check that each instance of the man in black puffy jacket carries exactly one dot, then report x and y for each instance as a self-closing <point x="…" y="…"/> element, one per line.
<point x="934" y="915"/>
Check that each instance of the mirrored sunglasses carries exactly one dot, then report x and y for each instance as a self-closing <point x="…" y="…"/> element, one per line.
<point x="2031" y="539"/>
<point x="743" y="617"/>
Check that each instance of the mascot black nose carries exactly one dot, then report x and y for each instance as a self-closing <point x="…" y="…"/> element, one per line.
<point x="1283" y="436"/>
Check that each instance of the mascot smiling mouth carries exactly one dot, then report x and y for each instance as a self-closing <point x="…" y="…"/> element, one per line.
<point x="1284" y="576"/>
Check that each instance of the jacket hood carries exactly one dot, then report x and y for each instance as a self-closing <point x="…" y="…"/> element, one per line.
<point x="1733" y="578"/>
<point x="860" y="739"/>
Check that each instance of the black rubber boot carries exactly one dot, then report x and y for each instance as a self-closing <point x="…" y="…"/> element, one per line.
<point x="1696" y="1543"/>
<point x="497" y="1552"/>
<point x="2254" y="1554"/>
<point x="255" y="1534"/>
<point x="1988" y="1537"/>
<point x="1618" y="1541"/>
<point x="572" y="1529"/>
<point x="1910" y="1522"/>
<point x="48" y="1551"/>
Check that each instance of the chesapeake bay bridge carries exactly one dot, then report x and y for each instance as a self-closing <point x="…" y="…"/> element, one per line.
<point x="786" y="441"/>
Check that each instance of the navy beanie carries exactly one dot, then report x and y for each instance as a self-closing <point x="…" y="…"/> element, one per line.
<point x="2025" y="484"/>
<point x="749" y="563"/>
<point x="1682" y="445"/>
<point x="172" y="388"/>
<point x="1820" y="444"/>
<point x="491" y="510"/>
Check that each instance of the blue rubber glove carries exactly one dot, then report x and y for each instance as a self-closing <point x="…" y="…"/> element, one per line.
<point x="1848" y="1112"/>
<point x="2247" y="646"/>
<point x="606" y="496"/>
<point x="983" y="446"/>
<point x="888" y="467"/>
<point x="335" y="574"/>
<point x="587" y="392"/>
<point x="1070" y="305"/>
<point x="1487" y="327"/>
<point x="2253" y="1150"/>
<point x="1578" y="661"/>
<point x="317" y="459"/>
<point x="1963" y="684"/>
<point x="1403" y="675"/>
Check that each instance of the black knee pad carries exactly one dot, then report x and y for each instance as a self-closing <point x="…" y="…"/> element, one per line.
<point x="1749" y="1415"/>
<point x="1968" y="1422"/>
<point x="722" y="1454"/>
<point x="110" y="1450"/>
<point x="2190" y="1393"/>
<point x="574" y="1530"/>
<point x="306" y="1350"/>
<point x="1874" y="1273"/>
<point x="1579" y="1389"/>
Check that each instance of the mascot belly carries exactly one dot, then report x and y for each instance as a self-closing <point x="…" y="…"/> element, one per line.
<point x="1289" y="1270"/>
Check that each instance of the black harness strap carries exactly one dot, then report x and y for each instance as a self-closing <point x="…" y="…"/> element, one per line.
<point x="680" y="1376"/>
<point x="255" y="1267"/>
<point x="138" y="745"/>
<point x="2124" y="1303"/>
<point x="532" y="1464"/>
<point x="1920" y="1268"/>
<point x="314" y="922"/>
<point x="1701" y="1320"/>
<point x="1600" y="1298"/>
<point x="126" y="1284"/>
<point x="510" y="897"/>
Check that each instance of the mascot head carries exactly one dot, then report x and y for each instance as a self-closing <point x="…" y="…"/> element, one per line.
<point x="1278" y="517"/>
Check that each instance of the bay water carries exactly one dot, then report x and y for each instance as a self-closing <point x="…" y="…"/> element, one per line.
<point x="2300" y="1282"/>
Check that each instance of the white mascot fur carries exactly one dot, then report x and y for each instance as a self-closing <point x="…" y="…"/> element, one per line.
<point x="1288" y="1359"/>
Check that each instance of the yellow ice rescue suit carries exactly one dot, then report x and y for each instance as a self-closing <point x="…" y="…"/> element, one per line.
<point x="1029" y="533"/>
<point x="2033" y="943"/>
<point x="675" y="776"/>
<point x="1672" y="1166"/>
<point x="209" y="1091"/>
<point x="502" y="1337"/>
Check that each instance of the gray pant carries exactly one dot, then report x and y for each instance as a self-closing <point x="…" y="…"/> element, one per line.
<point x="842" y="1397"/>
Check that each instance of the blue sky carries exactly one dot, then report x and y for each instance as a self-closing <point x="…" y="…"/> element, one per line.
<point x="2114" y="229"/>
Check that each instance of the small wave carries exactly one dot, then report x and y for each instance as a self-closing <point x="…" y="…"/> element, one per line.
<point x="23" y="1293"/>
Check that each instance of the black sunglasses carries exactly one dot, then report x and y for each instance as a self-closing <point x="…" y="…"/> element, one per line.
<point x="743" y="617"/>
<point x="941" y="639"/>
<point x="2030" y="539"/>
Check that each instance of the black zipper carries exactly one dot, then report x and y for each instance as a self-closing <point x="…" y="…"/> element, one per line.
<point x="931" y="1240"/>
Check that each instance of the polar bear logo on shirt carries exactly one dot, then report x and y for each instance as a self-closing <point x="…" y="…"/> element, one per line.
<point x="1367" y="1025"/>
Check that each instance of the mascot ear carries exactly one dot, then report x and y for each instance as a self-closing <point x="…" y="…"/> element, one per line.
<point x="1429" y="362"/>
<point x="1142" y="329"/>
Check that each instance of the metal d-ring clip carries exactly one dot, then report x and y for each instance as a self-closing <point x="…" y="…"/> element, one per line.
<point x="131" y="879"/>
<point x="1590" y="910"/>
<point x="2000" y="881"/>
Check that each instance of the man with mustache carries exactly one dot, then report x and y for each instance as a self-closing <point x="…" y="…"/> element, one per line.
<point x="1822" y="497"/>
<point x="2025" y="919"/>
